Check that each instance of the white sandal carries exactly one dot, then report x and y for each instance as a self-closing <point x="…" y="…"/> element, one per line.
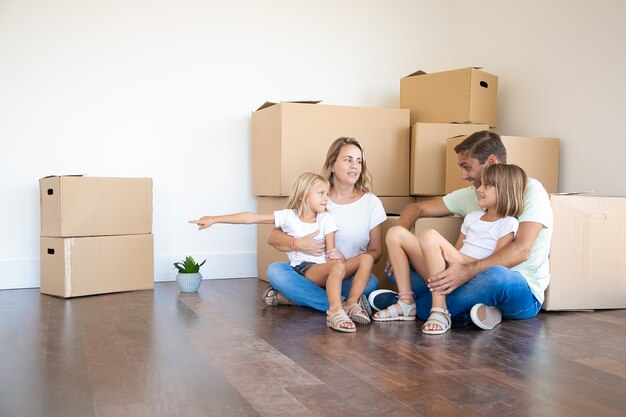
<point x="391" y="312"/>
<point x="441" y="317"/>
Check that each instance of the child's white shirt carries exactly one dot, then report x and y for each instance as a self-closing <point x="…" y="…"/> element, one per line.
<point x="481" y="237"/>
<point x="291" y="224"/>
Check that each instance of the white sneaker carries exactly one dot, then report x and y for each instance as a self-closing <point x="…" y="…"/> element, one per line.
<point x="381" y="299"/>
<point x="485" y="317"/>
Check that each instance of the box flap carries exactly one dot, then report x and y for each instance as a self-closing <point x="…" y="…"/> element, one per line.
<point x="59" y="176"/>
<point x="574" y="193"/>
<point x="420" y="72"/>
<point x="270" y="103"/>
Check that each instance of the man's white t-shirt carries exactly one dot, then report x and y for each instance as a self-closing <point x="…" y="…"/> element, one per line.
<point x="355" y="220"/>
<point x="291" y="224"/>
<point x="537" y="208"/>
<point x="481" y="237"/>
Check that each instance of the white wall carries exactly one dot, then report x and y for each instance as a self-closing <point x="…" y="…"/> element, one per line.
<point x="165" y="89"/>
<point x="562" y="73"/>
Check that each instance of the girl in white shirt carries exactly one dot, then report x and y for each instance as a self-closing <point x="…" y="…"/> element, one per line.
<point x="306" y="213"/>
<point x="482" y="233"/>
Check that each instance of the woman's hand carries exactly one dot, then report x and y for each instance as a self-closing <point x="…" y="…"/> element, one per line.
<point x="335" y="255"/>
<point x="309" y="245"/>
<point x="203" y="222"/>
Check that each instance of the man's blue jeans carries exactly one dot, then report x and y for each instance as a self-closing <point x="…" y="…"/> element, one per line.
<point x="304" y="292"/>
<point x="497" y="286"/>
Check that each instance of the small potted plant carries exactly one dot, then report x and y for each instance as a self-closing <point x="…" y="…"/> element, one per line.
<point x="188" y="277"/>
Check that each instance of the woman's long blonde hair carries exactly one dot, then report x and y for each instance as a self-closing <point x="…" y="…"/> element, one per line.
<point x="364" y="183"/>
<point x="510" y="184"/>
<point x="301" y="188"/>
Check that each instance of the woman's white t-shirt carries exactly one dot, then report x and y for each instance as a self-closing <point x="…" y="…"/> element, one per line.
<point x="355" y="220"/>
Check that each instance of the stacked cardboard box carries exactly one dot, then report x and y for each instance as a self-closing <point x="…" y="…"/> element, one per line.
<point x="96" y="235"/>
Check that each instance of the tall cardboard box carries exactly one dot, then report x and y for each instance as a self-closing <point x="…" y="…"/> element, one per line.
<point x="449" y="227"/>
<point x="266" y="254"/>
<point x="539" y="157"/>
<point x="77" y="266"/>
<point x="73" y="206"/>
<point x="291" y="138"/>
<point x="588" y="253"/>
<point x="466" y="95"/>
<point x="428" y="154"/>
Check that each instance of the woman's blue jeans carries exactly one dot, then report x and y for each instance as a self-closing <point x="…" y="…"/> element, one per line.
<point x="497" y="286"/>
<point x="304" y="292"/>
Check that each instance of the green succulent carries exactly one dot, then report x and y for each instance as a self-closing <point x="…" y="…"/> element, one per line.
<point x="189" y="266"/>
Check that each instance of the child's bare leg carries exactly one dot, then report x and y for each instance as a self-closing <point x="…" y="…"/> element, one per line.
<point x="333" y="274"/>
<point x="361" y="267"/>
<point x="433" y="245"/>
<point x="402" y="246"/>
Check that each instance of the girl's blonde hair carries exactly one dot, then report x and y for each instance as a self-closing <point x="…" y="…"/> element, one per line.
<point x="301" y="188"/>
<point x="510" y="184"/>
<point x="364" y="183"/>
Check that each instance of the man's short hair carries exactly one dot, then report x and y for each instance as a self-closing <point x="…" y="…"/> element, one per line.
<point x="481" y="144"/>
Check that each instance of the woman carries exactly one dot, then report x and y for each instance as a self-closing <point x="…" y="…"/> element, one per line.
<point x="359" y="214"/>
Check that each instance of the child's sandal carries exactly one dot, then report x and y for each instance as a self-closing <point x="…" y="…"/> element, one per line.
<point x="270" y="296"/>
<point x="391" y="312"/>
<point x="336" y="319"/>
<point x="439" y="317"/>
<point x="357" y="314"/>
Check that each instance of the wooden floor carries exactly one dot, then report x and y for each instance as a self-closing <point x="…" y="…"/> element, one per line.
<point x="222" y="352"/>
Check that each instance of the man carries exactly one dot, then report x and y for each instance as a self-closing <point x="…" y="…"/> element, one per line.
<point x="511" y="282"/>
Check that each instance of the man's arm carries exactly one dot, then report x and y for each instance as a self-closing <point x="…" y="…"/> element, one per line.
<point x="510" y="255"/>
<point x="429" y="208"/>
<point x="283" y="242"/>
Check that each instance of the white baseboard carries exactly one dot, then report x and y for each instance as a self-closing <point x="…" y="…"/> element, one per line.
<point x="25" y="273"/>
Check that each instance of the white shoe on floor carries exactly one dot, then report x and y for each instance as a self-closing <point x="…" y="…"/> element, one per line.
<point x="491" y="316"/>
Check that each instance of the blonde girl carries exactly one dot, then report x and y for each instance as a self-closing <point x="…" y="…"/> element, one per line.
<point x="305" y="214"/>
<point x="483" y="232"/>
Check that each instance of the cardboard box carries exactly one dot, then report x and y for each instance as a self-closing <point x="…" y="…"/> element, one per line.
<point x="539" y="157"/>
<point x="291" y="138"/>
<point x="76" y="266"/>
<point x="449" y="227"/>
<point x="266" y="254"/>
<point x="588" y="253"/>
<point x="395" y="205"/>
<point x="428" y="154"/>
<point x="74" y="206"/>
<point x="465" y="95"/>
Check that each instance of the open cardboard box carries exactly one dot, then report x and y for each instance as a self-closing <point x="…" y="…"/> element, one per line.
<point x="466" y="95"/>
<point x="291" y="138"/>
